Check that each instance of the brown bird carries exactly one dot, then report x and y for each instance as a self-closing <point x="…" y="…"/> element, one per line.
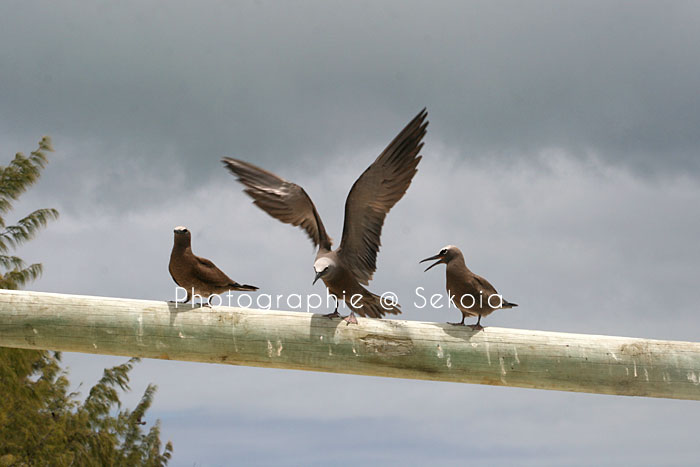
<point x="379" y="188"/>
<point x="472" y="294"/>
<point x="192" y="272"/>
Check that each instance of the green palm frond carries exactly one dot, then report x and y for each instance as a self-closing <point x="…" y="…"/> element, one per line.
<point x="21" y="173"/>
<point x="104" y="394"/>
<point x="15" y="178"/>
<point x="5" y="205"/>
<point x="39" y="218"/>
<point x="152" y="442"/>
<point x="17" y="278"/>
<point x="38" y="157"/>
<point x="11" y="262"/>
<point x="133" y="436"/>
<point x="26" y="228"/>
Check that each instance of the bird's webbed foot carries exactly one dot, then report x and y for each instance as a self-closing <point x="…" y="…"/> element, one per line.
<point x="350" y="319"/>
<point x="477" y="326"/>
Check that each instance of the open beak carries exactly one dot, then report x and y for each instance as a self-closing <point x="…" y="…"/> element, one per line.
<point x="318" y="276"/>
<point x="437" y="257"/>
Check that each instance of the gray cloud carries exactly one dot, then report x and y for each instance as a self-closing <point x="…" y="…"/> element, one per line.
<point x="561" y="157"/>
<point x="187" y="84"/>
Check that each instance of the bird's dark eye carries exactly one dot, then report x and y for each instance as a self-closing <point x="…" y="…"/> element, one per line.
<point x="325" y="269"/>
<point x="443" y="251"/>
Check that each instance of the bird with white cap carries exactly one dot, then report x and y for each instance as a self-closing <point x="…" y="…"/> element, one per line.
<point x="350" y="267"/>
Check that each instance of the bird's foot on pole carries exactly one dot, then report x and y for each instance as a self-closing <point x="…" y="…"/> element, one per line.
<point x="456" y="324"/>
<point x="477" y="326"/>
<point x="350" y="319"/>
<point x="335" y="314"/>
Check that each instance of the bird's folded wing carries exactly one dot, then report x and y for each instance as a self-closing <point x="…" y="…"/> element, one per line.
<point x="484" y="286"/>
<point x="377" y="190"/>
<point x="283" y="200"/>
<point x="207" y="272"/>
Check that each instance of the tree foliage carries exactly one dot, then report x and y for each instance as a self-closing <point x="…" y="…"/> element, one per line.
<point x="41" y="422"/>
<point x="15" y="178"/>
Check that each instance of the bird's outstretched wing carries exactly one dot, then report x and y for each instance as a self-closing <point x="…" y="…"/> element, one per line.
<point x="377" y="190"/>
<point x="206" y="271"/>
<point x="283" y="200"/>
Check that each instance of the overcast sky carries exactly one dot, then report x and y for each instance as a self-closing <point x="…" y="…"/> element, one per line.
<point x="562" y="156"/>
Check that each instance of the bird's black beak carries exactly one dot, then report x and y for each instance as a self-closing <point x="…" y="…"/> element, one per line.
<point x="318" y="276"/>
<point x="437" y="257"/>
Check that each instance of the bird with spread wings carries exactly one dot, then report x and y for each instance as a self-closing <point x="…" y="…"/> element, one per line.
<point x="350" y="267"/>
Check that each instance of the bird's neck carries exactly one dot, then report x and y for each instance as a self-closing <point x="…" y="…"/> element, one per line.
<point x="181" y="247"/>
<point x="458" y="263"/>
<point x="323" y="251"/>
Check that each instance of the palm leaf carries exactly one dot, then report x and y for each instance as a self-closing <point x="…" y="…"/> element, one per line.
<point x="17" y="278"/>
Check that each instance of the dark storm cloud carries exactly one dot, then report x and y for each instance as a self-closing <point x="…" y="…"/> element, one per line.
<point x="185" y="84"/>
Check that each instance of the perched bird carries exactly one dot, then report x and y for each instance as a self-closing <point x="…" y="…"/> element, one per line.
<point x="192" y="272"/>
<point x="352" y="265"/>
<point x="472" y="294"/>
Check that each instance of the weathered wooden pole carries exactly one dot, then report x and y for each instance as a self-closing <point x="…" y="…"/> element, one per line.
<point x="304" y="341"/>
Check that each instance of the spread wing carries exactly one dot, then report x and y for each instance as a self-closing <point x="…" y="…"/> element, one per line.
<point x="377" y="190"/>
<point x="283" y="200"/>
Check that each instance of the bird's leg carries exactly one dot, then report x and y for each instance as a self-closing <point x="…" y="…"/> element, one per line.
<point x="477" y="326"/>
<point x="350" y="319"/>
<point x="187" y="299"/>
<point x="335" y="314"/>
<point x="461" y="323"/>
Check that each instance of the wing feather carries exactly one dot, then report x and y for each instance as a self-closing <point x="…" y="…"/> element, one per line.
<point x="283" y="200"/>
<point x="373" y="195"/>
<point x="206" y="271"/>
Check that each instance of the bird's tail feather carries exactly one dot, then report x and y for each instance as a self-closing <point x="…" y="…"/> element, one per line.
<point x="507" y="304"/>
<point x="374" y="307"/>
<point x="243" y="287"/>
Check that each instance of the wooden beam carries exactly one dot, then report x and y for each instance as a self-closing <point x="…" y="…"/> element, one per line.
<point x="304" y="341"/>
